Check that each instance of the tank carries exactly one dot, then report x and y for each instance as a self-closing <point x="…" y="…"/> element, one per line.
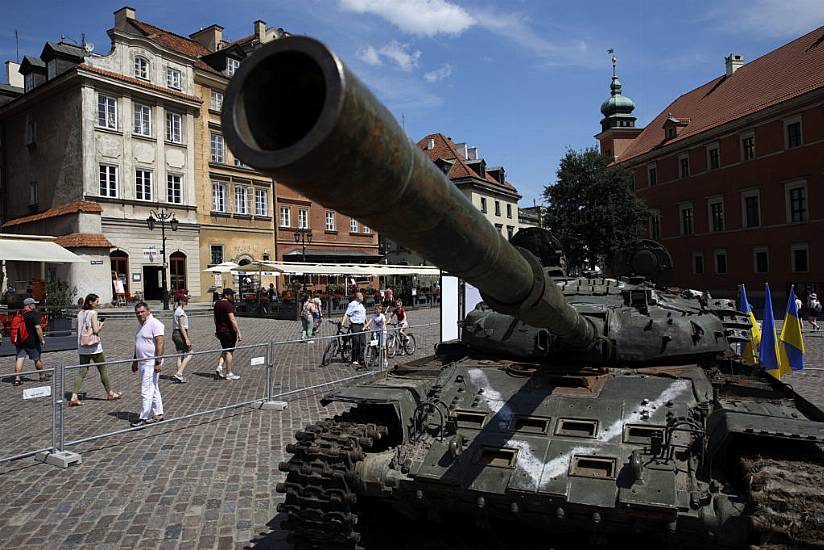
<point x="593" y="406"/>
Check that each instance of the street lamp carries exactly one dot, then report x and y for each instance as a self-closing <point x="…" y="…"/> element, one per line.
<point x="164" y="217"/>
<point x="302" y="236"/>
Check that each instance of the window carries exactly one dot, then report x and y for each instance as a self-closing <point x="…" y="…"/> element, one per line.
<point x="720" y="261"/>
<point x="106" y="112"/>
<point x="792" y="133"/>
<point x="142" y="120"/>
<point x="241" y="199"/>
<point x="29" y="82"/>
<point x="751" y="208"/>
<point x="174" y="189"/>
<point x="652" y="174"/>
<point x="173" y="78"/>
<point x="353" y="226"/>
<point x="800" y="258"/>
<point x="497" y="208"/>
<point x="31" y="130"/>
<point x="143" y="185"/>
<point x="218" y="149"/>
<point x="713" y="157"/>
<point x="655" y="225"/>
<point x="261" y="202"/>
<point x="33" y="192"/>
<point x="218" y="197"/>
<point x="483" y="205"/>
<point x="303" y="218"/>
<point x="232" y="65"/>
<point x="716" y="213"/>
<point x="216" y="253"/>
<point x="510" y="230"/>
<point x="367" y="230"/>
<point x="217" y="101"/>
<point x="761" y="260"/>
<point x="285" y="216"/>
<point x="174" y="123"/>
<point x="330" y="220"/>
<point x="686" y="219"/>
<point x="796" y="197"/>
<point x="698" y="263"/>
<point x="500" y="228"/>
<point x="748" y="147"/>
<point x="108" y="181"/>
<point x="683" y="166"/>
<point x="671" y="132"/>
<point x="509" y="211"/>
<point x="141" y="68"/>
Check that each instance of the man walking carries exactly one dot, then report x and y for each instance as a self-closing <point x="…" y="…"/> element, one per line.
<point x="355" y="316"/>
<point x="227" y="333"/>
<point x="148" y="344"/>
<point x="33" y="343"/>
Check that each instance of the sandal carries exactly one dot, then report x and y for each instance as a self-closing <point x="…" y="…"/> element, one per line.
<point x="114" y="396"/>
<point x="75" y="402"/>
<point x="17" y="382"/>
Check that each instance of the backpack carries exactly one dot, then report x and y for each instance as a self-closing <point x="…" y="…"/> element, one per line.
<point x="19" y="331"/>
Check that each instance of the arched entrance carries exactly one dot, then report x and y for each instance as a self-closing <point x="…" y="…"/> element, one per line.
<point x="120" y="270"/>
<point x="177" y="271"/>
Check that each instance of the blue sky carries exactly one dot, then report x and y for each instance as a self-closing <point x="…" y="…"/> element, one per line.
<point x="522" y="80"/>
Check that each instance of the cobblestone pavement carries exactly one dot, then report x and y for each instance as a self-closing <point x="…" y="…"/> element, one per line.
<point x="203" y="482"/>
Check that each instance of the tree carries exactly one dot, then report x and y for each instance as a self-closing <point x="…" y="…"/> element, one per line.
<point x="592" y="208"/>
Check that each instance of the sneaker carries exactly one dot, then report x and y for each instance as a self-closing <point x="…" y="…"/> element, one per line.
<point x="179" y="377"/>
<point x="219" y="372"/>
<point x="138" y="423"/>
<point x="232" y="376"/>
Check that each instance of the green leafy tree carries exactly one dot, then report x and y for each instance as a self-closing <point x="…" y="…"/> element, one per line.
<point x="592" y="208"/>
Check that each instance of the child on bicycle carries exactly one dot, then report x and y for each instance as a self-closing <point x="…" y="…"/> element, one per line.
<point x="378" y="325"/>
<point x="400" y="315"/>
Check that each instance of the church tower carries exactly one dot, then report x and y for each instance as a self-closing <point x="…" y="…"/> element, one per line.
<point x="618" y="125"/>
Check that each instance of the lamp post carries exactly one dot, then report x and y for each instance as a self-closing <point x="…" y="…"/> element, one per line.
<point x="163" y="216"/>
<point x="302" y="236"/>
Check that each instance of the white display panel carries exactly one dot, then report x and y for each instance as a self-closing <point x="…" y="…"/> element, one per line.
<point x="449" y="308"/>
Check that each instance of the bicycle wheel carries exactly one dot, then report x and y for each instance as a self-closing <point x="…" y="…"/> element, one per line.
<point x="410" y="346"/>
<point x="368" y="357"/>
<point x="329" y="354"/>
<point x="392" y="345"/>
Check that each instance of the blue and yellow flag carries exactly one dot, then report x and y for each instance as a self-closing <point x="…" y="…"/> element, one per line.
<point x="750" y="350"/>
<point x="791" y="345"/>
<point x="768" y="350"/>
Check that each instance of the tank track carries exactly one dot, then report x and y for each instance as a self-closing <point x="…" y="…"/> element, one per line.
<point x="785" y="490"/>
<point x="320" y="500"/>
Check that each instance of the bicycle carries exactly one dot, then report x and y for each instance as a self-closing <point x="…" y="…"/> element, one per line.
<point x="372" y="355"/>
<point x="340" y="346"/>
<point x="397" y="344"/>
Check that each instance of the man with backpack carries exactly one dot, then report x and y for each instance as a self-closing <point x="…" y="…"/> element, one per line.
<point x="27" y="337"/>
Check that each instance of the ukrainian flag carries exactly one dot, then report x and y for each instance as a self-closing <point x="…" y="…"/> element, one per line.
<point x="768" y="350"/>
<point x="791" y="348"/>
<point x="750" y="351"/>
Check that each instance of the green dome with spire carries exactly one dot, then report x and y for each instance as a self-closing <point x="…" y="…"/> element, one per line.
<point x="617" y="110"/>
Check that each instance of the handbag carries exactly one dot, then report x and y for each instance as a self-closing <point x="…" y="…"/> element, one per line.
<point x="87" y="335"/>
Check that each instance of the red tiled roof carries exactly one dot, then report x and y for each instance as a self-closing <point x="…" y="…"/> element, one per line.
<point x="787" y="72"/>
<point x="84" y="240"/>
<point x="62" y="210"/>
<point x="445" y="149"/>
<point x="242" y="41"/>
<point x="138" y="82"/>
<point x="175" y="42"/>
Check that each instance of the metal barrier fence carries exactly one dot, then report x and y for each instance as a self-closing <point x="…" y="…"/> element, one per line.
<point x="270" y="372"/>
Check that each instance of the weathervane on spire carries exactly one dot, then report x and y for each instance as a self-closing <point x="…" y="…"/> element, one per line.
<point x="611" y="51"/>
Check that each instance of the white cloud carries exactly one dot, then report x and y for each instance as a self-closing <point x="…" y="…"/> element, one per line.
<point x="369" y="55"/>
<point x="416" y="17"/>
<point x="771" y="17"/>
<point x="438" y="74"/>
<point x="394" y="51"/>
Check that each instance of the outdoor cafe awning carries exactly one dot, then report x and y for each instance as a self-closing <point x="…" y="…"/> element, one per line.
<point x="299" y="268"/>
<point x="30" y="248"/>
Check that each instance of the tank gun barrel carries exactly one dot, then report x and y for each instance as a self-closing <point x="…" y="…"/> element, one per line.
<point x="294" y="110"/>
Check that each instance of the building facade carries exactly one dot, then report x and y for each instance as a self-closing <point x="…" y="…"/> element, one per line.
<point x="733" y="172"/>
<point x="116" y="130"/>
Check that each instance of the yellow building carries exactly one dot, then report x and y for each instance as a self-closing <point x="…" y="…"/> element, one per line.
<point x="234" y="202"/>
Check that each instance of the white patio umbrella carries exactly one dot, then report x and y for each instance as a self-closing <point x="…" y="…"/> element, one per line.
<point x="224" y="267"/>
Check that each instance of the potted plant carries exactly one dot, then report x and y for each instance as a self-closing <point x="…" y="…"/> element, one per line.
<point x="58" y="306"/>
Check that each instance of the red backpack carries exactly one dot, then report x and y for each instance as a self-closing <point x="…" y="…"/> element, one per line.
<point x="19" y="331"/>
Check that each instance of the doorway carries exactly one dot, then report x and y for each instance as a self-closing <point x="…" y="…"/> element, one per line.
<point x="120" y="270"/>
<point x="177" y="271"/>
<point x="151" y="283"/>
